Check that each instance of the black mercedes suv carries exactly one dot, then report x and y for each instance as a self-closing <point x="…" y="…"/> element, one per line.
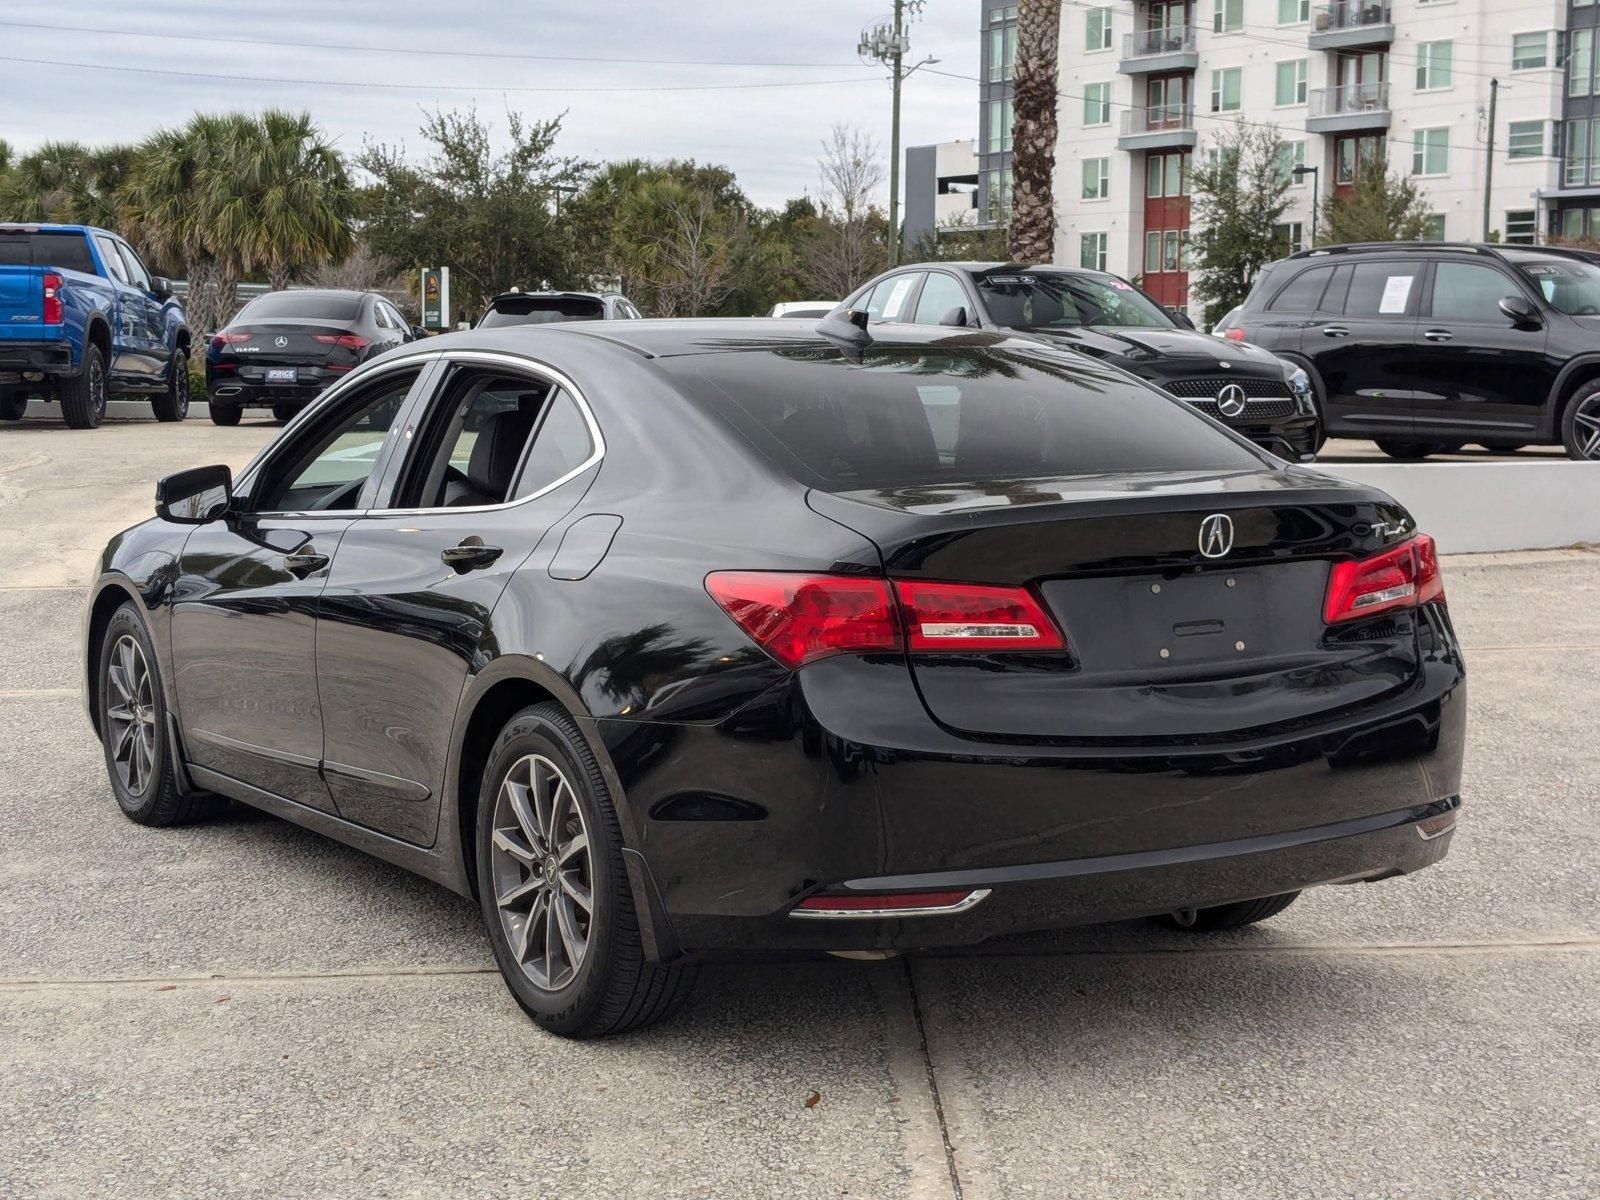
<point x="1105" y="317"/>
<point x="1422" y="346"/>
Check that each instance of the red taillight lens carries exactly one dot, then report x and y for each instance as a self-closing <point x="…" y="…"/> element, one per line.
<point x="974" y="617"/>
<point x="799" y="618"/>
<point x="349" y="341"/>
<point x="1403" y="576"/>
<point x="228" y="338"/>
<point x="52" y="298"/>
<point x="853" y="904"/>
<point x="1234" y="335"/>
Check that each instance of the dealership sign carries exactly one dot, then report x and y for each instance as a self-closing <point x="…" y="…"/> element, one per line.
<point x="435" y="292"/>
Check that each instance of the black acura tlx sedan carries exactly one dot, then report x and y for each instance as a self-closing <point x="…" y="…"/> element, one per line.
<point x="671" y="639"/>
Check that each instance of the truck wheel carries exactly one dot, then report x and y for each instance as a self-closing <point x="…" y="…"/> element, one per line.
<point x="13" y="404"/>
<point x="225" y="414"/>
<point x="83" y="399"/>
<point x="173" y="404"/>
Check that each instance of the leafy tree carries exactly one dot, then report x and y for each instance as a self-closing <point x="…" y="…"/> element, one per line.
<point x="65" y="181"/>
<point x="1379" y="207"/>
<point x="962" y="243"/>
<point x="1033" y="212"/>
<point x="1237" y="199"/>
<point x="492" y="216"/>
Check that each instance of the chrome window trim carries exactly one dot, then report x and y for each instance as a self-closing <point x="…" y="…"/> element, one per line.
<point x="493" y="357"/>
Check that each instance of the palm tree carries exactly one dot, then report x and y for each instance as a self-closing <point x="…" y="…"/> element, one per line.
<point x="1033" y="215"/>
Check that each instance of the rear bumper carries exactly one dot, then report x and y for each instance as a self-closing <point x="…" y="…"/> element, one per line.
<point x="246" y="387"/>
<point x="52" y="357"/>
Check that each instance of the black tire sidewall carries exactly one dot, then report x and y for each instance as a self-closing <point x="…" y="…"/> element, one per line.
<point x="1569" y="421"/>
<point x="540" y="731"/>
<point x="174" y="405"/>
<point x="225" y="414"/>
<point x="127" y="621"/>
<point x="13" y="404"/>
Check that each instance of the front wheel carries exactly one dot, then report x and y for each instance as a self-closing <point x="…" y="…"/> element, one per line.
<point x="554" y="889"/>
<point x="1580" y="428"/>
<point x="1227" y="916"/>
<point x="173" y="404"/>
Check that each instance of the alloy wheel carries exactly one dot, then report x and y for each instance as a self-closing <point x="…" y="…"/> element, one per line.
<point x="97" y="389"/>
<point x="542" y="872"/>
<point x="180" y="388"/>
<point x="131" y="715"/>
<point x="1586" y="428"/>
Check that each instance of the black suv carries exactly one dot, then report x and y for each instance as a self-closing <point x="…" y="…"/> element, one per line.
<point x="1103" y="316"/>
<point x="1423" y="346"/>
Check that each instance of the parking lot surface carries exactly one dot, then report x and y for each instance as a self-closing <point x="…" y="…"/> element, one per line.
<point x="241" y="1008"/>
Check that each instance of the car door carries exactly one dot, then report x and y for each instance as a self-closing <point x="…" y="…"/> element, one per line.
<point x="499" y="453"/>
<point x="153" y="351"/>
<point x="130" y="322"/>
<point x="1363" y="344"/>
<point x="245" y="599"/>
<point x="1486" y="375"/>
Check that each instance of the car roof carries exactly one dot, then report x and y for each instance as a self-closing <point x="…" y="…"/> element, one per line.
<point x="1485" y="249"/>
<point x="551" y="295"/>
<point x="52" y="227"/>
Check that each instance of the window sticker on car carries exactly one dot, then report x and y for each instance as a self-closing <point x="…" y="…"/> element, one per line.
<point x="1004" y="280"/>
<point x="897" y="297"/>
<point x="1396" y="291"/>
<point x="1120" y="286"/>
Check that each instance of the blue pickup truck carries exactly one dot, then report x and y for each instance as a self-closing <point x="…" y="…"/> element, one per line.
<point x="81" y="321"/>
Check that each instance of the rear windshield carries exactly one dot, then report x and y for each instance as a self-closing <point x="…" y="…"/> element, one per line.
<point x="1037" y="300"/>
<point x="537" y="310"/>
<point x="315" y="306"/>
<point x="900" y="417"/>
<point x="69" y="251"/>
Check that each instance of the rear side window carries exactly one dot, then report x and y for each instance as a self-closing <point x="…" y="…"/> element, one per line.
<point x="901" y="417"/>
<point x="68" y="251"/>
<point x="538" y="310"/>
<point x="1303" y="292"/>
<point x="289" y="306"/>
<point x="561" y="446"/>
<point x="1381" y="289"/>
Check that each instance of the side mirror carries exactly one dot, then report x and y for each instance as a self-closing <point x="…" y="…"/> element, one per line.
<point x="956" y="316"/>
<point x="1520" y="309"/>
<point x="161" y="287"/>
<point x="195" y="496"/>
<point x="418" y="333"/>
<point x="1182" y="318"/>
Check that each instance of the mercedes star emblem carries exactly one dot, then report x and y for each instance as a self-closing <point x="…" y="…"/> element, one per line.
<point x="1231" y="400"/>
<point x="280" y="341"/>
<point x="1216" y="535"/>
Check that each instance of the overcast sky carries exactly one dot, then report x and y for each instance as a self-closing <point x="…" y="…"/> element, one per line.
<point x="768" y="135"/>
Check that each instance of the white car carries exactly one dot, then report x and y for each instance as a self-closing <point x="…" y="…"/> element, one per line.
<point x="803" y="308"/>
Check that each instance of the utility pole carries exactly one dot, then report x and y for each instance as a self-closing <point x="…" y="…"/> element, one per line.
<point x="888" y="44"/>
<point x="1488" y="161"/>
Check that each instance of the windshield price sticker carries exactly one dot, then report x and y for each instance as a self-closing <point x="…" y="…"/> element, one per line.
<point x="897" y="297"/>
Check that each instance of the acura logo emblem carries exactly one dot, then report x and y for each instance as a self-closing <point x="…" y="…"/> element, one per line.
<point x="280" y="342"/>
<point x="1216" y="535"/>
<point x="1231" y="400"/>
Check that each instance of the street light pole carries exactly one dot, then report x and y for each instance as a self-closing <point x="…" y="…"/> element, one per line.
<point x="896" y="61"/>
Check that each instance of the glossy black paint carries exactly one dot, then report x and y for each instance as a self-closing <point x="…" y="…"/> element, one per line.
<point x="358" y="698"/>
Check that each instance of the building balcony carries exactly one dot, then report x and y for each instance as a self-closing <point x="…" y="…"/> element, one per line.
<point x="1162" y="127"/>
<point x="1346" y="24"/>
<point x="1349" y="109"/>
<point x="1159" y="50"/>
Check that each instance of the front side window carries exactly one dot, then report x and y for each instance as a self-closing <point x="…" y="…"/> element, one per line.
<point x="1097" y="33"/>
<point x="1054" y="300"/>
<point x="1530" y="50"/>
<point x="1097" y="104"/>
<point x="330" y="460"/>
<point x="1225" y="90"/>
<point x="1525" y="139"/>
<point x="1096" y="178"/>
<point x="1430" y="152"/>
<point x="940" y="294"/>
<point x="1434" y="65"/>
<point x="889" y="298"/>
<point x="137" y="275"/>
<point x="1092" y="251"/>
<point x="1292" y="82"/>
<point x="1469" y="292"/>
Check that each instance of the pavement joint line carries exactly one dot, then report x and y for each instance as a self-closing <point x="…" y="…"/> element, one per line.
<point x="1583" y="945"/>
<point x="933" y="1082"/>
<point x="38" y="693"/>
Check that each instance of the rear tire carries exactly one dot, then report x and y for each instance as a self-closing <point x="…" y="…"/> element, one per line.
<point x="1227" y="916"/>
<point x="1409" y="451"/>
<point x="173" y="404"/>
<point x="547" y="834"/>
<point x="132" y="707"/>
<point x="1502" y="447"/>
<point x="1580" y="426"/>
<point x="225" y="414"/>
<point x="13" y="404"/>
<point x="83" y="397"/>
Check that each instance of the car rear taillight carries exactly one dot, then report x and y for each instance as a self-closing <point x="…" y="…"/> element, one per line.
<point x="1403" y="576"/>
<point x="350" y="341"/>
<point x="1234" y="335"/>
<point x="51" y="283"/>
<point x="228" y="338"/>
<point x="798" y="618"/>
<point x="889" y="904"/>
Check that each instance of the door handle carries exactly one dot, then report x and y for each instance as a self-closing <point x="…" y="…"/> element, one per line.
<point x="1437" y="335"/>
<point x="469" y="556"/>
<point x="304" y="563"/>
<point x="1335" y="331"/>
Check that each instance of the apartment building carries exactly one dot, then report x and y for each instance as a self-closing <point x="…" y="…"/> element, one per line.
<point x="997" y="32"/>
<point x="1145" y="86"/>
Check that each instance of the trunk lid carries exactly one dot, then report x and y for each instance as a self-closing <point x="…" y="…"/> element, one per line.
<point x="1118" y="564"/>
<point x="21" y="300"/>
<point x="289" y="343"/>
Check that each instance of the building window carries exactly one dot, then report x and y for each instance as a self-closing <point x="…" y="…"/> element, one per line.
<point x="1529" y="51"/>
<point x="1096" y="178"/>
<point x="1433" y="228"/>
<point x="1003" y="48"/>
<point x="1292" y="12"/>
<point x="1164" y="251"/>
<point x="1292" y="82"/>
<point x="1577" y="166"/>
<point x="1163" y="175"/>
<point x="1289" y="237"/>
<point x="1352" y="155"/>
<point x="1433" y="65"/>
<point x="1430" y="152"/>
<point x="1092" y="251"/>
<point x="1290" y="156"/>
<point x="1521" y="226"/>
<point x="1525" y="140"/>
<point x="1580" y="61"/>
<point x="1097" y="104"/>
<point x="1097" y="34"/>
<point x="1225" y="90"/>
<point x="1227" y="15"/>
<point x="1001" y="113"/>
